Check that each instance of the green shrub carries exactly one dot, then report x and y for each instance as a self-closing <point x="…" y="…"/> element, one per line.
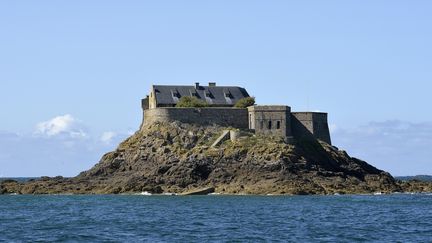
<point x="189" y="101"/>
<point x="245" y="102"/>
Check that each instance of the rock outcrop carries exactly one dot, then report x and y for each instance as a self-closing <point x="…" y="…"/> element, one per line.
<point x="177" y="158"/>
<point x="416" y="186"/>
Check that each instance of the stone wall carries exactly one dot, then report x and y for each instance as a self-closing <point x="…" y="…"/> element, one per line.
<point x="145" y="105"/>
<point x="266" y="120"/>
<point x="152" y="99"/>
<point x="228" y="117"/>
<point x="270" y="120"/>
<point x="310" y="125"/>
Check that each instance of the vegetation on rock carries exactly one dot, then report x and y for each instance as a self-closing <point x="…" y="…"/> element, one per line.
<point x="245" y="102"/>
<point x="190" y="101"/>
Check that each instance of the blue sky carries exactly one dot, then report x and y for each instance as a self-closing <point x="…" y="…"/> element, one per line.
<point x="73" y="72"/>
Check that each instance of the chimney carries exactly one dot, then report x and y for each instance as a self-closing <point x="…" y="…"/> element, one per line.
<point x="212" y="84"/>
<point x="197" y="85"/>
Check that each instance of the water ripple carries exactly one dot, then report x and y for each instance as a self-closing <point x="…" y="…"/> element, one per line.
<point x="215" y="218"/>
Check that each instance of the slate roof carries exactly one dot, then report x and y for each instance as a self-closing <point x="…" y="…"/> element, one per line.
<point x="167" y="95"/>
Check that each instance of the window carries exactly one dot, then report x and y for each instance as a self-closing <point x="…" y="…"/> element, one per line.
<point x="278" y="125"/>
<point x="208" y="94"/>
<point x="193" y="93"/>
<point x="270" y="125"/>
<point x="175" y="94"/>
<point x="227" y="94"/>
<point x="261" y="124"/>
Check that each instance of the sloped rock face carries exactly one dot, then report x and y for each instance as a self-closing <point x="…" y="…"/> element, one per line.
<point x="177" y="157"/>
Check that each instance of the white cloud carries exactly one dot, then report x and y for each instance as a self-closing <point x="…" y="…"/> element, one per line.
<point x="65" y="124"/>
<point x="400" y="147"/>
<point x="107" y="137"/>
<point x="59" y="146"/>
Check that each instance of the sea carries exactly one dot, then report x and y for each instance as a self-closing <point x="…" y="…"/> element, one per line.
<point x="216" y="218"/>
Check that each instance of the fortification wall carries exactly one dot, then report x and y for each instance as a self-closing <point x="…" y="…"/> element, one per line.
<point x="310" y="125"/>
<point x="270" y="120"/>
<point x="145" y="103"/>
<point x="228" y="117"/>
<point x="321" y="128"/>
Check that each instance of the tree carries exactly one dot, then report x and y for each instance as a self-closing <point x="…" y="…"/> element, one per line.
<point x="245" y="102"/>
<point x="190" y="101"/>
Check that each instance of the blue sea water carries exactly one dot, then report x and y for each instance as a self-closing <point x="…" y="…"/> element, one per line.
<point x="135" y="218"/>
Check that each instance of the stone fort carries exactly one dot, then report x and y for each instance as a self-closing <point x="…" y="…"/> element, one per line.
<point x="271" y="120"/>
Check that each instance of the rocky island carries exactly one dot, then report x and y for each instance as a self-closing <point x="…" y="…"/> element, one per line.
<point x="214" y="139"/>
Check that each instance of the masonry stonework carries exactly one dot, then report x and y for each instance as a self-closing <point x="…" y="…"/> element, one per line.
<point x="309" y="125"/>
<point x="270" y="120"/>
<point x="228" y="117"/>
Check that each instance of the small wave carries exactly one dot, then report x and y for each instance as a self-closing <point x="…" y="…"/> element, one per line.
<point x="145" y="193"/>
<point x="169" y="194"/>
<point x="378" y="193"/>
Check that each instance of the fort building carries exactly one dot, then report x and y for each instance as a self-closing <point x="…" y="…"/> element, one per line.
<point x="310" y="125"/>
<point x="267" y="120"/>
<point x="214" y="96"/>
<point x="270" y="120"/>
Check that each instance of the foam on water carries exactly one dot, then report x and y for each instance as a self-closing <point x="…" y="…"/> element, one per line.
<point x="145" y="194"/>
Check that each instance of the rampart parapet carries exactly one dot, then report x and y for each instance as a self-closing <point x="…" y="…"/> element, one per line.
<point x="227" y="117"/>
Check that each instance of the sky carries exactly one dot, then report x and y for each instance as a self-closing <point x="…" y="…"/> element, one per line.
<point x="72" y="73"/>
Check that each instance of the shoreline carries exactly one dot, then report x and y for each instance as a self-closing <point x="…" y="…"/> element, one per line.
<point x="224" y="195"/>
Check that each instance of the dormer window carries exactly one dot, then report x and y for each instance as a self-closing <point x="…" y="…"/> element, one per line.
<point x="194" y="93"/>
<point x="175" y="94"/>
<point x="208" y="94"/>
<point x="227" y="94"/>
